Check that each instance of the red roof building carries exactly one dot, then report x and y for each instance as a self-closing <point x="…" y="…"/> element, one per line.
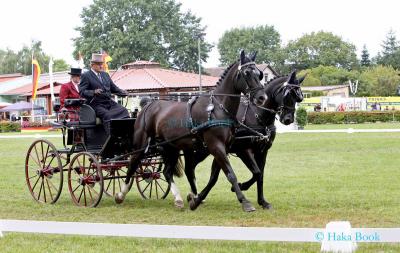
<point x="140" y="77"/>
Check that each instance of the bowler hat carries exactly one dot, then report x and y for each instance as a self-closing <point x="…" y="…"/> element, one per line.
<point x="97" y="58"/>
<point x="75" y="72"/>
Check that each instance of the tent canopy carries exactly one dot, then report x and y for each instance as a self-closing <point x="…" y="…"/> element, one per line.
<point x="21" y="106"/>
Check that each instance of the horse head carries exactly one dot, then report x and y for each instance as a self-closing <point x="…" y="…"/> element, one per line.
<point x="249" y="79"/>
<point x="284" y="93"/>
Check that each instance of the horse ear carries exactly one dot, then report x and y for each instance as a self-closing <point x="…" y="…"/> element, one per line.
<point x="253" y="56"/>
<point x="242" y="57"/>
<point x="301" y="79"/>
<point x="292" y="77"/>
<point x="261" y="75"/>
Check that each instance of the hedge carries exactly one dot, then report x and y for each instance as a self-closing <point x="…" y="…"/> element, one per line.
<point x="352" y="117"/>
<point x="6" y="126"/>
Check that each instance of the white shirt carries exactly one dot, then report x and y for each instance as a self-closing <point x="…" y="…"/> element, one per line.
<point x="75" y="85"/>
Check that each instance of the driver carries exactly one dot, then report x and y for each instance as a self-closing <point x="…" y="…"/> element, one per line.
<point x="96" y="86"/>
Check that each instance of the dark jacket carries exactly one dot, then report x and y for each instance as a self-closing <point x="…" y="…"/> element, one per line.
<point x="90" y="82"/>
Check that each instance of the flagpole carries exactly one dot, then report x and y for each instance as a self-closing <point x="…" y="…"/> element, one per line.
<point x="51" y="79"/>
<point x="33" y="111"/>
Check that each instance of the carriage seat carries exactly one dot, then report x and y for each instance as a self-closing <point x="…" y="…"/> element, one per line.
<point x="87" y="115"/>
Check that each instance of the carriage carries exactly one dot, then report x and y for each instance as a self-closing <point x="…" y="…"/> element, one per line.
<point x="97" y="165"/>
<point x="94" y="163"/>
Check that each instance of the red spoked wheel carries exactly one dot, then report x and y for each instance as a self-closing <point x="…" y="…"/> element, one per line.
<point x="114" y="177"/>
<point x="150" y="179"/>
<point x="85" y="180"/>
<point x="44" y="172"/>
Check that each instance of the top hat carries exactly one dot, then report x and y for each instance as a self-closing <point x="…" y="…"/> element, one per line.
<point x="97" y="58"/>
<point x="75" y="72"/>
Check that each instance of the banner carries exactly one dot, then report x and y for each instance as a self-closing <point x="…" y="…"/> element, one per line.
<point x="35" y="77"/>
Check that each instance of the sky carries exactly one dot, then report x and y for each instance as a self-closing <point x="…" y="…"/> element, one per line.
<point x="356" y="21"/>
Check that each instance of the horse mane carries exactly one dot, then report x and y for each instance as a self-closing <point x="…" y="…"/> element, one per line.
<point x="276" y="80"/>
<point x="222" y="77"/>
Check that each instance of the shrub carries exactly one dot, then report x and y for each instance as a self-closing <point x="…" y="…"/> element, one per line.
<point x="301" y="117"/>
<point x="26" y="124"/>
<point x="6" y="126"/>
<point x="352" y="117"/>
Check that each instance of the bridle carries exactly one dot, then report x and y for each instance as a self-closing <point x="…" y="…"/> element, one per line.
<point x="250" y="92"/>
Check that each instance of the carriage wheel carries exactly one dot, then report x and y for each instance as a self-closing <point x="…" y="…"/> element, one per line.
<point x="114" y="179"/>
<point x="150" y="179"/>
<point x="43" y="172"/>
<point x="85" y="180"/>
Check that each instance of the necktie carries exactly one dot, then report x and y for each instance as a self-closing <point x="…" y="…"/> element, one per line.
<point x="99" y="76"/>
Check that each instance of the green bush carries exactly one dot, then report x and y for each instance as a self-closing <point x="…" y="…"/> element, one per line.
<point x="301" y="117"/>
<point x="352" y="117"/>
<point x="6" y="126"/>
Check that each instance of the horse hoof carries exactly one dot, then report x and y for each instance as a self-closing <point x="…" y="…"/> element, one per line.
<point x="266" y="206"/>
<point x="248" y="207"/>
<point x="192" y="202"/>
<point x="119" y="198"/>
<point x="190" y="196"/>
<point x="179" y="204"/>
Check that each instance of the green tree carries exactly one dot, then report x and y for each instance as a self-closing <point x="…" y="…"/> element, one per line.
<point x="21" y="62"/>
<point x="8" y="61"/>
<point x="132" y="30"/>
<point x="321" y="48"/>
<point x="378" y="81"/>
<point x="328" y="75"/>
<point x="264" y="39"/>
<point x="24" y="63"/>
<point x="60" y="65"/>
<point x="365" y="61"/>
<point x="390" y="55"/>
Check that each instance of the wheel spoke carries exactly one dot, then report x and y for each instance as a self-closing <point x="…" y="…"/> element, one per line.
<point x="90" y="194"/>
<point x="38" y="164"/>
<point x="41" y="145"/>
<point x="44" y="191"/>
<point x="84" y="195"/>
<point x="37" y="155"/>
<point x="40" y="190"/>
<point x="51" y="194"/>
<point x="33" y="177"/>
<point x="156" y="189"/>
<point x="151" y="188"/>
<point x="33" y="188"/>
<point x="146" y="187"/>
<point x="80" y="195"/>
<point x="49" y="181"/>
<point x="76" y="188"/>
<point x="160" y="186"/>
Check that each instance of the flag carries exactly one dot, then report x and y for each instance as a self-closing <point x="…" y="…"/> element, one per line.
<point x="106" y="59"/>
<point x="81" y="64"/>
<point x="51" y="79"/>
<point x="35" y="76"/>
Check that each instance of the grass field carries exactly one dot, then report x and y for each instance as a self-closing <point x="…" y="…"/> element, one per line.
<point x="311" y="179"/>
<point x="386" y="125"/>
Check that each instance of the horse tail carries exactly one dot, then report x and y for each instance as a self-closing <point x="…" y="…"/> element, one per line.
<point x="178" y="171"/>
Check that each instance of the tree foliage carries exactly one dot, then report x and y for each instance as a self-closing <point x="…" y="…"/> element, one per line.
<point x="21" y="61"/>
<point x="390" y="55"/>
<point x="321" y="48"/>
<point x="132" y="30"/>
<point x="264" y="39"/>
<point x="365" y="61"/>
<point x="328" y="75"/>
<point x="373" y="81"/>
<point x="378" y="81"/>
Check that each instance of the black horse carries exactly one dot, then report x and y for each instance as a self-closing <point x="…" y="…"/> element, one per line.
<point x="208" y="120"/>
<point x="252" y="148"/>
